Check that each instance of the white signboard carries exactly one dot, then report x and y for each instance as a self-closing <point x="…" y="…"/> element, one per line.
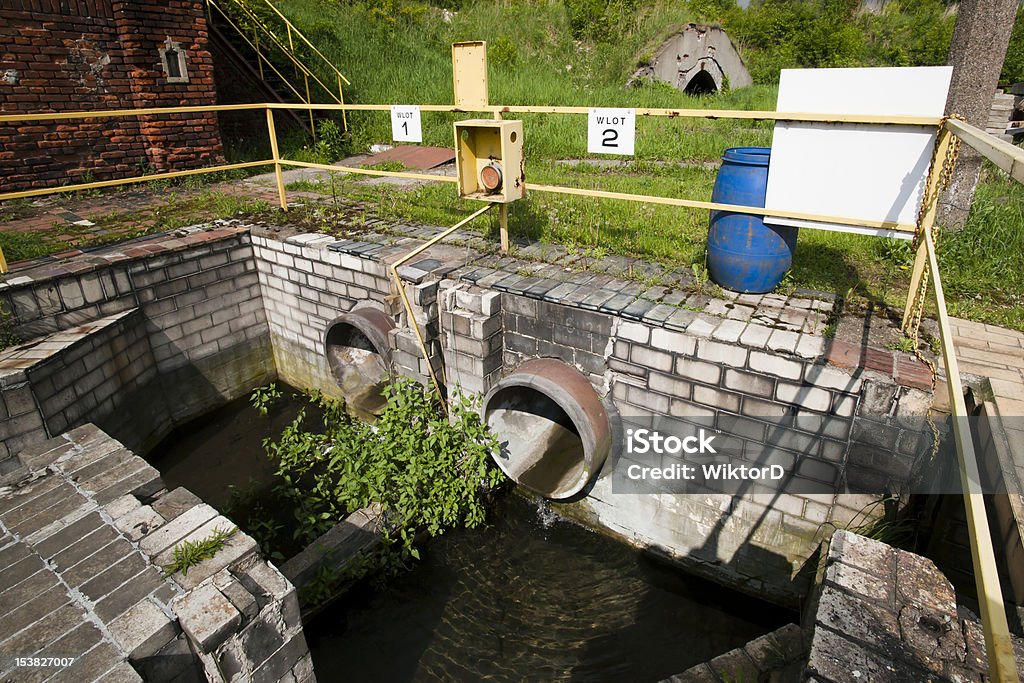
<point x="868" y="172"/>
<point x="405" y="123"/>
<point x="611" y="131"/>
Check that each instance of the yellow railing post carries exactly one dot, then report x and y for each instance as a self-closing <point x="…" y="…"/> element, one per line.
<point x="341" y="100"/>
<point x="277" y="159"/>
<point x="3" y="262"/>
<point x="1002" y="665"/>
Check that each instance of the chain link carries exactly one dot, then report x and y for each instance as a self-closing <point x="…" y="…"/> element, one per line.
<point x="931" y="194"/>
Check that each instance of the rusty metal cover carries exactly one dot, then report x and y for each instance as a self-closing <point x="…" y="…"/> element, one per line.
<point x="416" y="157"/>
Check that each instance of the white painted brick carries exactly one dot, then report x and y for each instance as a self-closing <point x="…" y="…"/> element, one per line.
<point x="350" y="262"/>
<point x="668" y="385"/>
<point x="810" y="346"/>
<point x="697" y="370"/>
<point x="844" y="406"/>
<point x="729" y="331"/>
<point x="675" y="342"/>
<point x="783" y="340"/>
<point x="831" y="378"/>
<point x="634" y="332"/>
<point x="775" y="365"/>
<point x="789" y="504"/>
<point x="713" y="397"/>
<point x="807" y="397"/>
<point x="700" y="328"/>
<point x="755" y="336"/>
<point x="816" y="512"/>
<point x="722" y="353"/>
<point x="490" y="303"/>
<point x="650" y="358"/>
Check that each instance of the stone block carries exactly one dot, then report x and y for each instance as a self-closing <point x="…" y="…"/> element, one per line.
<point x="143" y="630"/>
<point x="139" y="522"/>
<point x="636" y="332"/>
<point x="178" y="528"/>
<point x="207" y="616"/>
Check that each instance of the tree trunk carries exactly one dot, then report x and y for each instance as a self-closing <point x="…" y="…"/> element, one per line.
<point x="980" y="39"/>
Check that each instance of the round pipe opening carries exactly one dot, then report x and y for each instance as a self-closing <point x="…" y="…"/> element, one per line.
<point x="359" y="356"/>
<point x="553" y="429"/>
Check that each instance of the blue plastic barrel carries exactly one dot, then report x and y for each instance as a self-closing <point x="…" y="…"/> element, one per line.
<point x="744" y="254"/>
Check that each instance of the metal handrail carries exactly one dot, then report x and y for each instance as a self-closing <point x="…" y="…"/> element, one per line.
<point x="287" y="50"/>
<point x="284" y="79"/>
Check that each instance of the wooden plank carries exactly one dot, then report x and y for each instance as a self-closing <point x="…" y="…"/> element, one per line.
<point x="1006" y="156"/>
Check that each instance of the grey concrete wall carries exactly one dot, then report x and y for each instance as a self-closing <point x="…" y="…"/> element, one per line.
<point x="136" y="339"/>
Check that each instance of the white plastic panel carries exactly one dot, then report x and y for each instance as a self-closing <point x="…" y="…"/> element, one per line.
<point x="868" y="172"/>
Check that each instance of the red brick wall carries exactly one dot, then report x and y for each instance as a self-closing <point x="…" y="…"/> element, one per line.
<point x="86" y="55"/>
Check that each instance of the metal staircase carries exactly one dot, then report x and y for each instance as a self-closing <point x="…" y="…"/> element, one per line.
<point x="261" y="40"/>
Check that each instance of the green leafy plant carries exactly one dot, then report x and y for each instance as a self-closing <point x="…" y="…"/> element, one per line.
<point x="263" y="398"/>
<point x="428" y="471"/>
<point x="188" y="554"/>
<point x="903" y="345"/>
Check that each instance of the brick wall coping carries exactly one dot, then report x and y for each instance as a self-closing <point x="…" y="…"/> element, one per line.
<point x="787" y="325"/>
<point x="75" y="263"/>
<point x="15" y="360"/>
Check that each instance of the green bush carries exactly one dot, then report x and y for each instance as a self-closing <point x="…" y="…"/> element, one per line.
<point x="429" y="472"/>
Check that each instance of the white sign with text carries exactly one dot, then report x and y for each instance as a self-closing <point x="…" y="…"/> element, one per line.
<point x="611" y="131"/>
<point x="405" y="123"/>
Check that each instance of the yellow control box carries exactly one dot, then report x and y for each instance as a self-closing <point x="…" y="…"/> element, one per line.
<point x="489" y="160"/>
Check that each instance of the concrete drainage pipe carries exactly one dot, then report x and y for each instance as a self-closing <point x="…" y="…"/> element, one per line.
<point x="554" y="431"/>
<point x="359" y="355"/>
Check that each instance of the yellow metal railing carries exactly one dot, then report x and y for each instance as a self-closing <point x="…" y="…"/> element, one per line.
<point x="1002" y="666"/>
<point x="286" y="47"/>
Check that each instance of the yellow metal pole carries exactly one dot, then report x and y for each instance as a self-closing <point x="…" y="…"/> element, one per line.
<point x="3" y="262"/>
<point x="277" y="159"/>
<point x="1002" y="665"/>
<point x="341" y="100"/>
<point x="128" y="181"/>
<point x="502" y="208"/>
<point x="408" y="306"/>
<point x="929" y="209"/>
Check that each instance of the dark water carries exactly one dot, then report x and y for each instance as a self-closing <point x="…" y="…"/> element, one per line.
<point x="532" y="598"/>
<point x="224" y="448"/>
